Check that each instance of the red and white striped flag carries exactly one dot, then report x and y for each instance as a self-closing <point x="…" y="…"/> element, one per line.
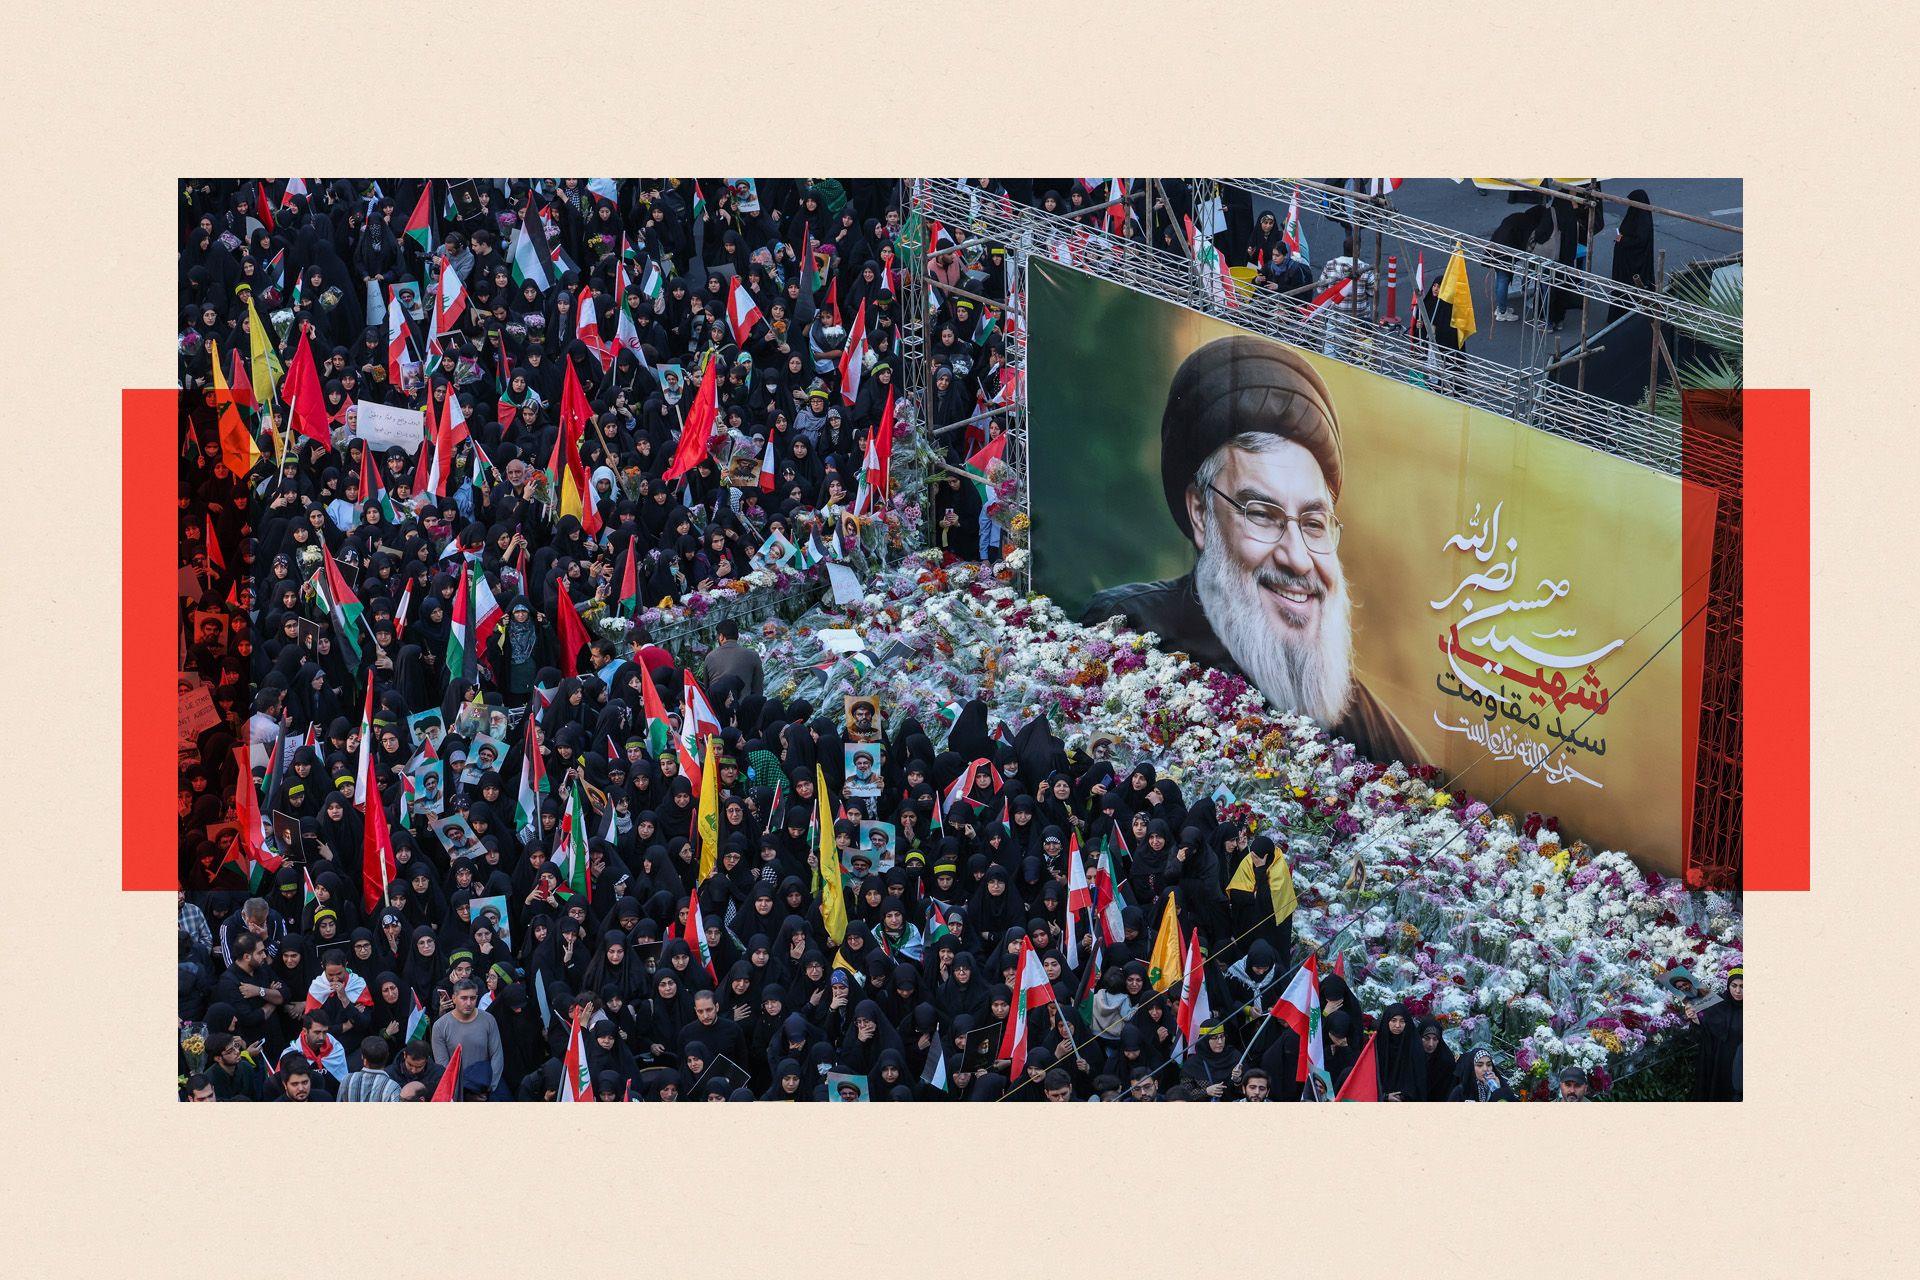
<point x="742" y="314"/>
<point x="853" y="366"/>
<point x="576" y="1081"/>
<point x="1331" y="296"/>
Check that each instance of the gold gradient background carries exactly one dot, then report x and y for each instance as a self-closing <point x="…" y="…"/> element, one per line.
<point x="106" y="1174"/>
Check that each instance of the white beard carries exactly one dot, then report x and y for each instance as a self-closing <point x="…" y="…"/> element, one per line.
<point x="1297" y="670"/>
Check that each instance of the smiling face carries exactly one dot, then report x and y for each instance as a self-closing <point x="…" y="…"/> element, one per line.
<point x="1281" y="608"/>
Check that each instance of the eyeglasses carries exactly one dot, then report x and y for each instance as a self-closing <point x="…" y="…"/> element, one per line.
<point x="1267" y="524"/>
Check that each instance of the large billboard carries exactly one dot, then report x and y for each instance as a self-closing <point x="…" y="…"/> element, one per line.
<point x="1431" y="581"/>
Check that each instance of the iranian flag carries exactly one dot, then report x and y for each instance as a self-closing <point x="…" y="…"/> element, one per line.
<point x="363" y="769"/>
<point x="533" y="785"/>
<point x="694" y="934"/>
<point x="377" y="865"/>
<point x="1299" y="1007"/>
<point x="742" y="314"/>
<point x="459" y="660"/>
<point x="342" y="606"/>
<point x="1106" y="897"/>
<point x="853" y="359"/>
<point x="420" y="221"/>
<point x="1331" y="296"/>
<point x="570" y="845"/>
<point x="587" y="327"/>
<point x="532" y="256"/>
<point x="576" y="1081"/>
<point x="1194" y="1011"/>
<point x="1032" y="991"/>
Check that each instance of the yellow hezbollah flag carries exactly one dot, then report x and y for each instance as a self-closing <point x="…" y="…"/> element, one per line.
<point x="1455" y="291"/>
<point x="1164" y="968"/>
<point x="1279" y="884"/>
<point x="833" y="898"/>
<point x="709" y="810"/>
<point x="265" y="365"/>
<point x="237" y="449"/>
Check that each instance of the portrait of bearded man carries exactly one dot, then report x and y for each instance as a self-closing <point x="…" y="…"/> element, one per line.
<point x="1250" y="460"/>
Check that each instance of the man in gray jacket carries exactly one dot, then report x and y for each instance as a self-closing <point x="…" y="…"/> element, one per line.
<point x="731" y="658"/>
<point x="477" y="1034"/>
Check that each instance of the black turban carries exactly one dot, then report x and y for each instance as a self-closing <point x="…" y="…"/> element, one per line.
<point x="1242" y="384"/>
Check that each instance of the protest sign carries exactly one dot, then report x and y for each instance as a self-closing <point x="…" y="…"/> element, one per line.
<point x="384" y="427"/>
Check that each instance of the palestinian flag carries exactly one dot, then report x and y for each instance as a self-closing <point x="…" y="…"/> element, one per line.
<point x="532" y="256"/>
<point x="570" y="845"/>
<point x="420" y="221"/>
<point x="533" y="785"/>
<point x="659" y="732"/>
<point x="1033" y="990"/>
<point x="853" y="364"/>
<point x="1194" y="1012"/>
<point x="1165" y="965"/>
<point x="419" y="1025"/>
<point x="459" y="657"/>
<point x="341" y="605"/>
<point x="699" y="202"/>
<point x="978" y="465"/>
<point x="936" y="922"/>
<point x="653" y="285"/>
<point x="576" y="1081"/>
<point x="628" y="602"/>
<point x="1299" y="1007"/>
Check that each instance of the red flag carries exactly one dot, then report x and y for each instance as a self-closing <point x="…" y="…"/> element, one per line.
<point x="1363" y="1082"/>
<point x="265" y="207"/>
<point x="853" y="359"/>
<point x="696" y="433"/>
<point x="239" y="385"/>
<point x="767" y="478"/>
<point x="742" y="314"/>
<point x="572" y="633"/>
<point x="880" y="476"/>
<point x="377" y="865"/>
<point x="448" y="1090"/>
<point x="306" y="403"/>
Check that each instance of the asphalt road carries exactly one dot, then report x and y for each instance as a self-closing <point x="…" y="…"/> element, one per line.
<point x="1469" y="209"/>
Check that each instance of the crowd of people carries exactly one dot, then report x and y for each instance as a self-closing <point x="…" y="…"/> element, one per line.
<point x="436" y="848"/>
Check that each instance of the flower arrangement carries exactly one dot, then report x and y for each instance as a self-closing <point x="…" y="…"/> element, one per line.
<point x="1502" y="929"/>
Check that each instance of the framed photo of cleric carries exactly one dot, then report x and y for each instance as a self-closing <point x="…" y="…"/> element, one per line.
<point x="844" y="1086"/>
<point x="863" y="718"/>
<point x="430" y="787"/>
<point x="864" y="761"/>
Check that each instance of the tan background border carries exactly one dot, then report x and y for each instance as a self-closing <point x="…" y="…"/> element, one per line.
<point x="107" y="107"/>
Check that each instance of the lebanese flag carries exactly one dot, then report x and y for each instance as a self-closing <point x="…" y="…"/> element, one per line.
<point x="570" y="631"/>
<point x="1331" y="296"/>
<point x="448" y="1090"/>
<point x="320" y="990"/>
<point x="1032" y="990"/>
<point x="696" y="433"/>
<point x="1194" y="1010"/>
<point x="742" y="314"/>
<point x="1290" y="233"/>
<point x="404" y="607"/>
<point x="576" y="1082"/>
<point x="295" y="187"/>
<point x="440" y="466"/>
<point x="879" y="475"/>
<point x="1299" y="1007"/>
<point x="377" y="865"/>
<point x="364" y="769"/>
<point x="399" y="357"/>
<point x="587" y="326"/>
<point x="694" y="934"/>
<point x="1363" y="1081"/>
<point x="766" y="465"/>
<point x="1419" y="292"/>
<point x="300" y="392"/>
<point x="853" y="359"/>
<point x="697" y="721"/>
<point x="449" y="298"/>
